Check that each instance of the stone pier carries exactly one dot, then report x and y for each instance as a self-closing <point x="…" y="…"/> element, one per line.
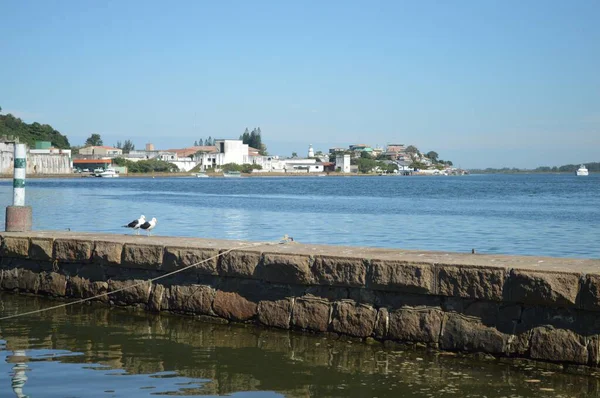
<point x="533" y="307"/>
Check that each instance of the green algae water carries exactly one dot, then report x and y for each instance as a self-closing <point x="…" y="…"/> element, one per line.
<point x="97" y="351"/>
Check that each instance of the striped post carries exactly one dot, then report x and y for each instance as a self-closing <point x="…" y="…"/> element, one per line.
<point x="19" y="175"/>
<point x="18" y="216"/>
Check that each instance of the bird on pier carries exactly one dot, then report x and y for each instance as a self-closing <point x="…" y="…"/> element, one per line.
<point x="135" y="224"/>
<point x="149" y="225"/>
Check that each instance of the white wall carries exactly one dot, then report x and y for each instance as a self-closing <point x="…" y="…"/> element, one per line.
<point x="37" y="163"/>
<point x="343" y="163"/>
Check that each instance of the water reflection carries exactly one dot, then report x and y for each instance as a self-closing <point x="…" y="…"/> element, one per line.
<point x="136" y="354"/>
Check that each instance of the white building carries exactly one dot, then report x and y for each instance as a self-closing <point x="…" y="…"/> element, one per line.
<point x="342" y="163"/>
<point x="227" y="151"/>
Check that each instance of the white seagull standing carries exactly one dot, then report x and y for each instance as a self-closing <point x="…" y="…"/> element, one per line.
<point x="149" y="225"/>
<point x="135" y="224"/>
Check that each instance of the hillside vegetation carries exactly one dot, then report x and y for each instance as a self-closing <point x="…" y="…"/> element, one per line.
<point x="30" y="133"/>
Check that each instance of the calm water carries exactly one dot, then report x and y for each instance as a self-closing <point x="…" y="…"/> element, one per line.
<point x="537" y="214"/>
<point x="89" y="351"/>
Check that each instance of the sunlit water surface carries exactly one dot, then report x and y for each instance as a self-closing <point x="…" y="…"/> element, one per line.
<point x="537" y="214"/>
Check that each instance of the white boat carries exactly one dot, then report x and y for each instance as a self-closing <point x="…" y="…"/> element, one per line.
<point x="201" y="175"/>
<point x="108" y="173"/>
<point x="582" y="171"/>
<point x="232" y="174"/>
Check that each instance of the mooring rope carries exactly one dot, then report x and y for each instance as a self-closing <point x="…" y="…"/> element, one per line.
<point x="284" y="240"/>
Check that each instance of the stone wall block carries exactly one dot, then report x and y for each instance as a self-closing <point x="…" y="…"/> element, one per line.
<point x="276" y="313"/>
<point x="72" y="250"/>
<point x="78" y="287"/>
<point x="29" y="281"/>
<point x="239" y="263"/>
<point x="590" y="293"/>
<point x="14" y="247"/>
<point x="311" y="314"/>
<point x="543" y="287"/>
<point x="419" y="326"/>
<point x="593" y="348"/>
<point x="340" y="271"/>
<point x="142" y="256"/>
<point x="191" y="299"/>
<point x="156" y="297"/>
<point x="382" y="323"/>
<point x="471" y="282"/>
<point x="10" y="279"/>
<point x="53" y="284"/>
<point x="352" y="319"/>
<point x="402" y="276"/>
<point x="287" y="268"/>
<point x="41" y="249"/>
<point x="462" y="333"/>
<point x="181" y="257"/>
<point x="232" y="306"/>
<point x="107" y="253"/>
<point x="129" y="292"/>
<point x="558" y="345"/>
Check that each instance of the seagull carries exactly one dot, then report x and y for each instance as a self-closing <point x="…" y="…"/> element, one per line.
<point x="135" y="224"/>
<point x="148" y="225"/>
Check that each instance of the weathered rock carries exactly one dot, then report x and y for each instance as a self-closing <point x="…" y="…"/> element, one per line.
<point x="354" y="320"/>
<point x="72" y="250"/>
<point x="240" y="263"/>
<point x="311" y="314"/>
<point x="593" y="348"/>
<point x="142" y="256"/>
<point x="590" y="293"/>
<point x="275" y="313"/>
<point x="340" y="271"/>
<point x="234" y="307"/>
<point x="194" y="299"/>
<point x="419" y="326"/>
<point x="41" y="249"/>
<point x="10" y="279"/>
<point x="53" y="283"/>
<point x="129" y="292"/>
<point x="156" y="297"/>
<point x="558" y="345"/>
<point x="461" y="333"/>
<point x="15" y="247"/>
<point x="78" y="287"/>
<point x="543" y="287"/>
<point x="201" y="261"/>
<point x="29" y="281"/>
<point x="287" y="268"/>
<point x="107" y="253"/>
<point x="382" y="323"/>
<point x="471" y="282"/>
<point x="402" y="276"/>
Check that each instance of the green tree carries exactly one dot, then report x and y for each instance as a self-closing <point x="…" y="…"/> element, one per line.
<point x="201" y="142"/>
<point x="433" y="156"/>
<point x="128" y="146"/>
<point x="94" y="140"/>
<point x="195" y="143"/>
<point x="30" y="133"/>
<point x="294" y="155"/>
<point x="119" y="145"/>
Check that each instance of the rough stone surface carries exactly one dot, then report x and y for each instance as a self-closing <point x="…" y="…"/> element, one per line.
<point x="382" y="322"/>
<point x="193" y="299"/>
<point x="41" y="249"/>
<point x="590" y="294"/>
<point x="234" y="307"/>
<point x="311" y="314"/>
<point x="53" y="283"/>
<point x="415" y="325"/>
<point x="354" y="320"/>
<point x="107" y="253"/>
<point x="547" y="288"/>
<point x="181" y="257"/>
<point x="275" y="313"/>
<point x="558" y="345"/>
<point x="136" y="291"/>
<point x="471" y="282"/>
<point x="29" y="281"/>
<point x="287" y="268"/>
<point x="15" y="247"/>
<point x="462" y="333"/>
<point x="340" y="271"/>
<point x="402" y="276"/>
<point x="142" y="256"/>
<point x="239" y="263"/>
<point x="156" y="297"/>
<point x="72" y="251"/>
<point x="78" y="287"/>
<point x="10" y="279"/>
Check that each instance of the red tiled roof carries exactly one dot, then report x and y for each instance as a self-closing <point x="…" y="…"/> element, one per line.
<point x="183" y="152"/>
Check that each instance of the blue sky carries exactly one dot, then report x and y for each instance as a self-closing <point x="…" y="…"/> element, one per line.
<point x="485" y="84"/>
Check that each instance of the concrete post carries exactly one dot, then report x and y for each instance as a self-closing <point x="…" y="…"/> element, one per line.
<point x="18" y="216"/>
